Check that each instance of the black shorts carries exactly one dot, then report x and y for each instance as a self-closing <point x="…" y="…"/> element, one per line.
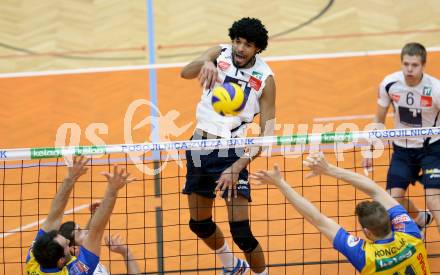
<point x="204" y="169"/>
<point x="407" y="163"/>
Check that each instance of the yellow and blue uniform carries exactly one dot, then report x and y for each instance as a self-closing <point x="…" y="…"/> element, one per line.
<point x="402" y="254"/>
<point x="85" y="264"/>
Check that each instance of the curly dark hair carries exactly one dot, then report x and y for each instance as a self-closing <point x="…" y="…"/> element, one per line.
<point x="47" y="251"/>
<point x="250" y="29"/>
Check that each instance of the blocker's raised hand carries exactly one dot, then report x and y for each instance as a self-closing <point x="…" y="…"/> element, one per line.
<point x="317" y="163"/>
<point x="117" y="179"/>
<point x="77" y="169"/>
<point x="270" y="177"/>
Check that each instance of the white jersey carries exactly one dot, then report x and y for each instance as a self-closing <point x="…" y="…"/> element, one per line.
<point x="252" y="80"/>
<point x="100" y="270"/>
<point x="414" y="107"/>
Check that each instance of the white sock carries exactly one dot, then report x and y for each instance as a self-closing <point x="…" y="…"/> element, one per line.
<point x="265" y="272"/>
<point x="226" y="256"/>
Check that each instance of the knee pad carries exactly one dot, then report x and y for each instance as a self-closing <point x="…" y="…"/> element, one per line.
<point x="242" y="236"/>
<point x="203" y="229"/>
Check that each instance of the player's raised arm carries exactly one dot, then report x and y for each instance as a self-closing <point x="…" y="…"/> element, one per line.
<point x="203" y="67"/>
<point x="58" y="205"/>
<point x="319" y="165"/>
<point x="116" y="180"/>
<point x="115" y="244"/>
<point x="93" y="207"/>
<point x="324" y="224"/>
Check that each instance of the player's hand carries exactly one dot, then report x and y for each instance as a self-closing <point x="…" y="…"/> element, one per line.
<point x="317" y="163"/>
<point x="94" y="206"/>
<point x="367" y="163"/>
<point x="77" y="168"/>
<point x="117" y="179"/>
<point x="270" y="177"/>
<point x="208" y="75"/>
<point x="227" y="182"/>
<point x="115" y="244"/>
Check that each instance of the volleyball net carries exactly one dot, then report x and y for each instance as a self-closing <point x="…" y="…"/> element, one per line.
<point x="151" y="213"/>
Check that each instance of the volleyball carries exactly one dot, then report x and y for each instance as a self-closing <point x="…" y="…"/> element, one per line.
<point x="228" y="99"/>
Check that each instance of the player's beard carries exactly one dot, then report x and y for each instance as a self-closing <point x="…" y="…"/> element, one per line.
<point x="251" y="60"/>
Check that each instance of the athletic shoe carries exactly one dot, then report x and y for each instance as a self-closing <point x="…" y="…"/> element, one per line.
<point x="428" y="219"/>
<point x="241" y="268"/>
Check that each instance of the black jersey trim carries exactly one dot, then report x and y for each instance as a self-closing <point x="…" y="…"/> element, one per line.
<point x="388" y="86"/>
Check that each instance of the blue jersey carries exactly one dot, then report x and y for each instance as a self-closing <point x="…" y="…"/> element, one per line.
<point x="85" y="264"/>
<point x="404" y="250"/>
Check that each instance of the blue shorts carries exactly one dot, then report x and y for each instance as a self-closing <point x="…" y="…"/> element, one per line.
<point x="204" y="169"/>
<point x="407" y="163"/>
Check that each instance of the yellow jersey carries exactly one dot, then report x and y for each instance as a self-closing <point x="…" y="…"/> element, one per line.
<point x="85" y="264"/>
<point x="402" y="254"/>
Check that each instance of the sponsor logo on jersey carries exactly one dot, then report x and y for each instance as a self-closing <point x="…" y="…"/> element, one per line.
<point x="427" y="91"/>
<point x="223" y="65"/>
<point x="395" y="98"/>
<point x="257" y="75"/>
<point x="390" y="262"/>
<point x="255" y="83"/>
<point x="399" y="227"/>
<point x="401" y="218"/>
<point x="425" y="101"/>
<point x="78" y="267"/>
<point x="352" y="241"/>
<point x="422" y="263"/>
